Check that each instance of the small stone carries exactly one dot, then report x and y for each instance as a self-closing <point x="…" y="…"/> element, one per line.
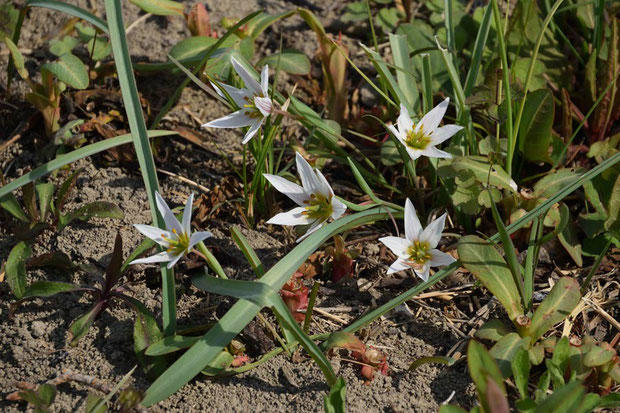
<point x="38" y="328"/>
<point x="368" y="96"/>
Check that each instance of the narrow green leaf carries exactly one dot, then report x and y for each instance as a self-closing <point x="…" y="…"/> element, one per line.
<point x="47" y="393"/>
<point x="486" y="264"/>
<point x="95" y="404"/>
<point x="49" y="288"/>
<point x="71" y="10"/>
<point x="143" y="247"/>
<point x="247" y="251"/>
<point x="551" y="184"/>
<point x="219" y="363"/>
<point x="613" y="209"/>
<point x="195" y="46"/>
<point x="69" y="69"/>
<point x="80" y="326"/>
<point x="450" y="408"/>
<point x="45" y="193"/>
<point x="448" y="361"/>
<point x="65" y="190"/>
<point x="18" y="59"/>
<point x="558" y="305"/>
<point x="16" y="268"/>
<point x="70" y="157"/>
<point x="160" y="7"/>
<point x="479" y="46"/>
<point x="404" y="70"/>
<point x="482" y="367"/>
<point x="170" y="344"/>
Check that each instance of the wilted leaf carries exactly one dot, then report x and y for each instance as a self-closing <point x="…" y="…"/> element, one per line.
<point x="344" y="339"/>
<point x="220" y="363"/>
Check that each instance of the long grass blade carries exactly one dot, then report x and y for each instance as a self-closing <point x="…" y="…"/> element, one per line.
<point x="71" y="10"/>
<point x="476" y="58"/>
<point x="142" y="145"/>
<point x="66" y="159"/>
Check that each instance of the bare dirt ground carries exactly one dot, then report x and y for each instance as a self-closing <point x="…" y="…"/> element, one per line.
<point x="34" y="344"/>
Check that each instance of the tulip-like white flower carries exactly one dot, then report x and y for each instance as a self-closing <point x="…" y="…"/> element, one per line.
<point x="177" y="238"/>
<point x="418" y="249"/>
<point x="315" y="198"/>
<point x="422" y="138"/>
<point x="253" y="100"/>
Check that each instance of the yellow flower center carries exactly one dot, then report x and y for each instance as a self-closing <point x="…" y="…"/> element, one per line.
<point x="417" y="140"/>
<point x="178" y="245"/>
<point x="250" y="107"/>
<point x="418" y="253"/>
<point x="318" y="207"/>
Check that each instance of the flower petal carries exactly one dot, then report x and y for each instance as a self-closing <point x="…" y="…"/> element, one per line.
<point x="236" y="119"/>
<point x="264" y="105"/>
<point x="156" y="234"/>
<point x="338" y="208"/>
<point x="413" y="153"/>
<point x="264" y="80"/>
<point x="197" y="237"/>
<point x="398" y="265"/>
<point x="413" y="228"/>
<point x="161" y="257"/>
<point x="292" y="217"/>
<point x="174" y="260"/>
<point x="423" y="272"/>
<point x="171" y="221"/>
<point x="288" y="188"/>
<point x="397" y="245"/>
<point x="324" y="186"/>
<point x="432" y="119"/>
<point x="247" y="78"/>
<point x="432" y="233"/>
<point x="252" y="131"/>
<point x="405" y="124"/>
<point x="395" y="132"/>
<point x="187" y="214"/>
<point x="237" y="95"/>
<point x="308" y="178"/>
<point x="443" y="133"/>
<point x="433" y="152"/>
<point x="440" y="258"/>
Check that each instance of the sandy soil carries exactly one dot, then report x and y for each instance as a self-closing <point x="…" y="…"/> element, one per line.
<point x="34" y="346"/>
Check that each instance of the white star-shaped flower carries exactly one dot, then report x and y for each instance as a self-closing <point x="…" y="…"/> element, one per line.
<point x="422" y="138"/>
<point x="253" y="101"/>
<point x="418" y="249"/>
<point x="315" y="198"/>
<point x="177" y="238"/>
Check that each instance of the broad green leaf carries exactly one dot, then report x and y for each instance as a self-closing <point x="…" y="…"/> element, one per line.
<point x="291" y="61"/>
<point x="389" y="153"/>
<point x="482" y="368"/>
<point x="536" y="354"/>
<point x="521" y="371"/>
<point x="99" y="48"/>
<point x="220" y="363"/>
<point x="263" y="20"/>
<point x="95" y="404"/>
<point x="598" y="356"/>
<point x="482" y="259"/>
<point x="170" y="345"/>
<point x="69" y="69"/>
<point x="613" y="209"/>
<point x="336" y="400"/>
<point x="558" y="305"/>
<point x="18" y="59"/>
<point x="567" y="234"/>
<point x="492" y="330"/>
<point x="610" y="401"/>
<point x="11" y="205"/>
<point x="16" y="268"/>
<point x="484" y="172"/>
<point x="49" y="288"/>
<point x="145" y="333"/>
<point x="97" y="209"/>
<point x="567" y="399"/>
<point x="505" y="349"/>
<point x="54" y="259"/>
<point x="47" y="393"/>
<point x="194" y="46"/>
<point x="534" y="135"/>
<point x="66" y="45"/>
<point x="450" y="408"/>
<point x="160" y="7"/>
<point x="551" y="184"/>
<point x="80" y="326"/>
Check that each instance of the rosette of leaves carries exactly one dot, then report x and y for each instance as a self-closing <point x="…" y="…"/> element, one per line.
<point x="108" y="293"/>
<point x="42" y="209"/>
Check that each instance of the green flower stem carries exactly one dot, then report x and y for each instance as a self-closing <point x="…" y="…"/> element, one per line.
<point x="212" y="262"/>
